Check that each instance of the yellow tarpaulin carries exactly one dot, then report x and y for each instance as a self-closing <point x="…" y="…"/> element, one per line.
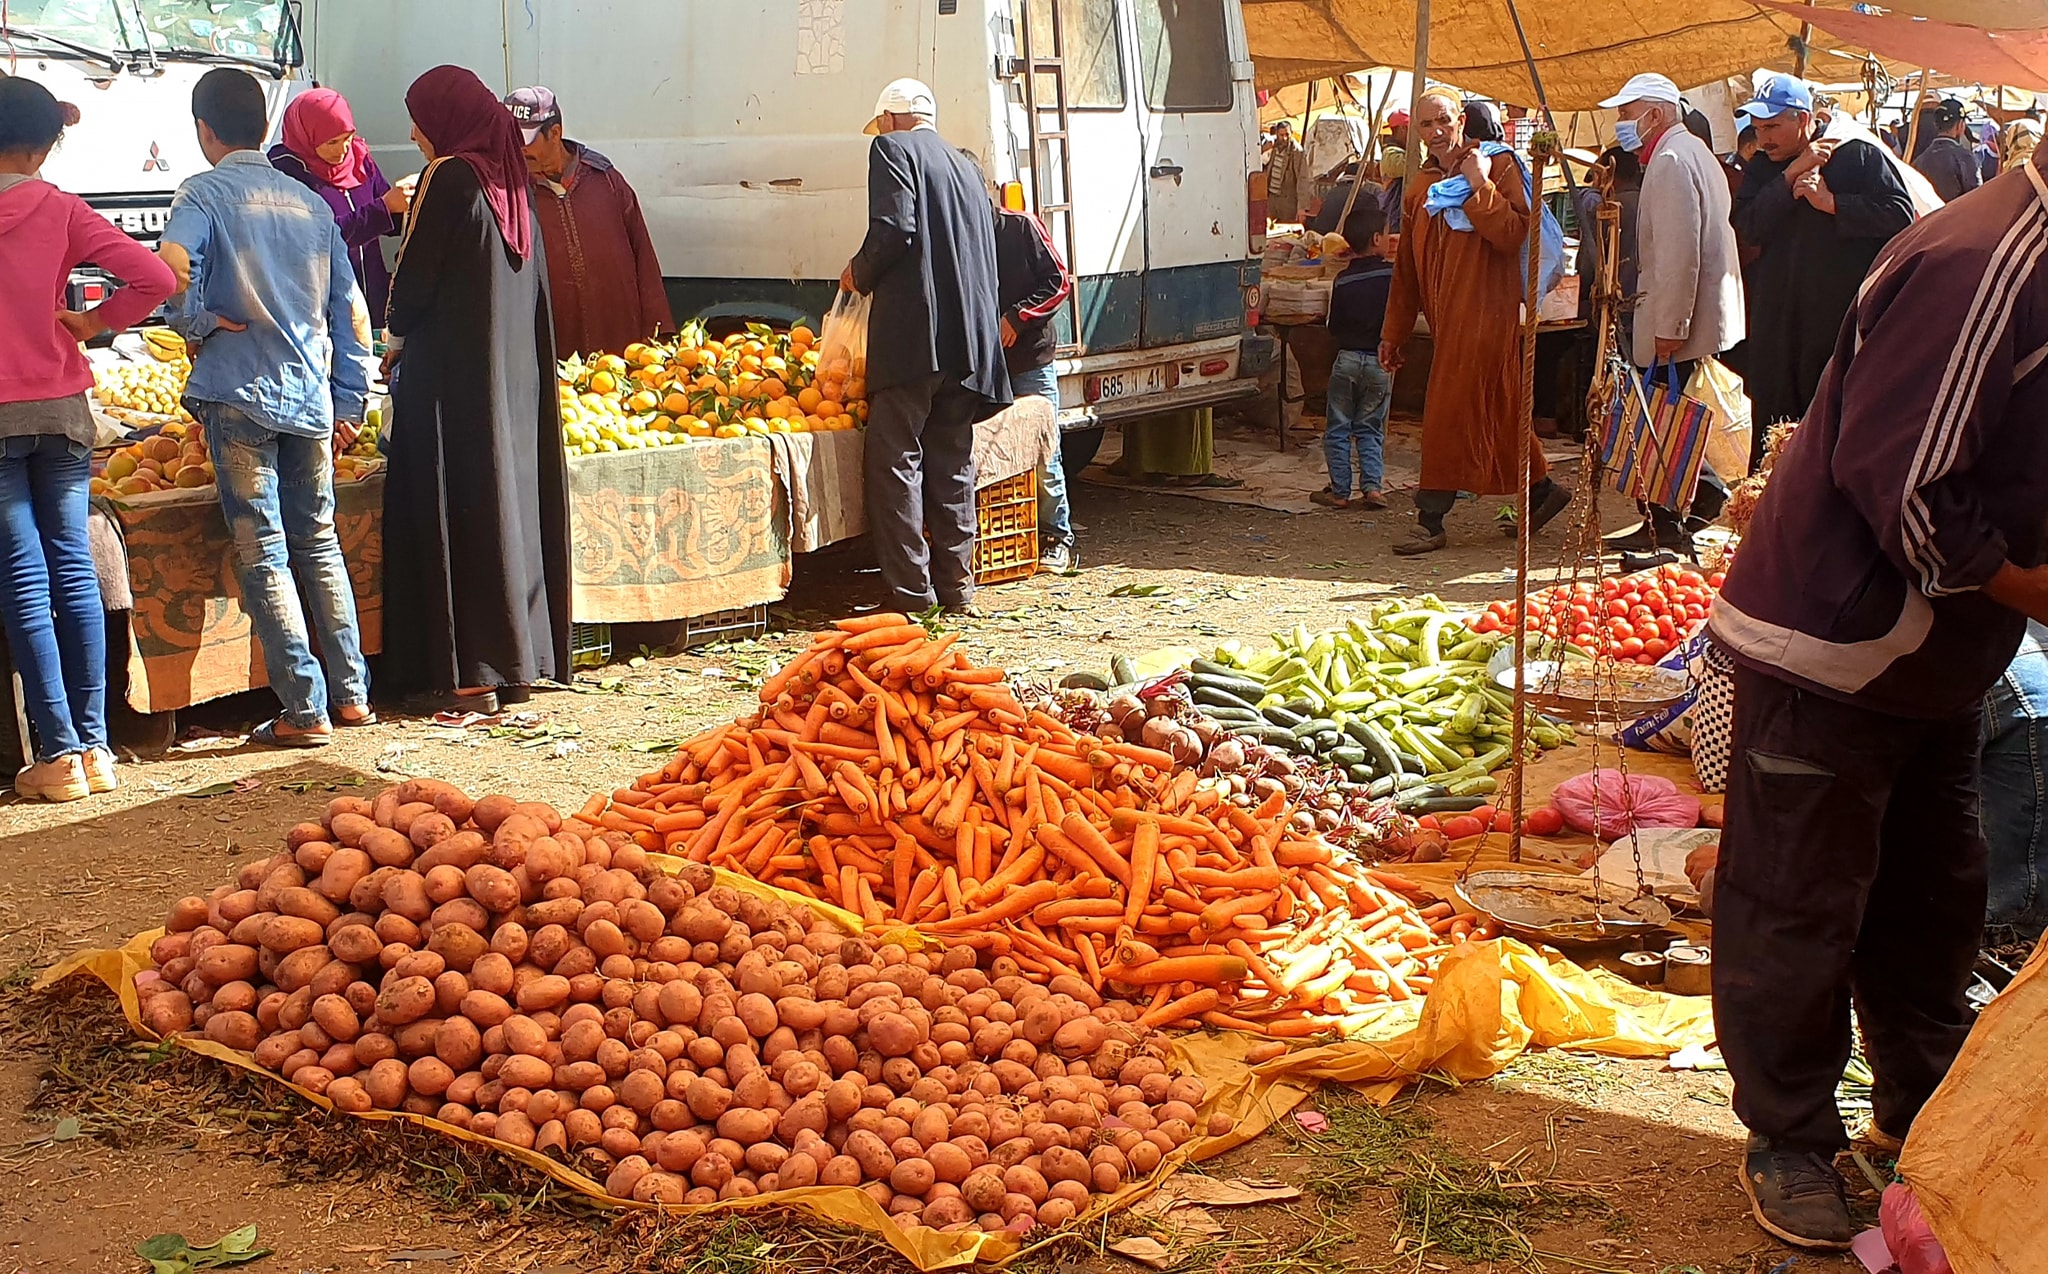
<point x="1491" y="1001"/>
<point x="1585" y="49"/>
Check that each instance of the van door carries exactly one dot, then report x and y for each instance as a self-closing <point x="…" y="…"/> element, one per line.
<point x="1198" y="118"/>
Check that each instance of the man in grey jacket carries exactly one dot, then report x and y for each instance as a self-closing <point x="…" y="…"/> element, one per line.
<point x="1689" y="277"/>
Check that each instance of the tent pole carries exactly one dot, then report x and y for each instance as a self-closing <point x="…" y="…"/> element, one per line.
<point x="1416" y="82"/>
<point x="1913" y="125"/>
<point x="1805" y="42"/>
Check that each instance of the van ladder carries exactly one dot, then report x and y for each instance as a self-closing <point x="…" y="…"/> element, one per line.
<point x="1047" y="160"/>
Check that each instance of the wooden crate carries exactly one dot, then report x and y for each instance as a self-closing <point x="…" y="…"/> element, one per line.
<point x="1006" y="530"/>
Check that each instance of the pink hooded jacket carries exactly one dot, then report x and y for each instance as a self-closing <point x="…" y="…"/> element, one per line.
<point x="44" y="232"/>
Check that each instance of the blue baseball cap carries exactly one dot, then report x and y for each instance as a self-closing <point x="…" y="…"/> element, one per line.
<point x="1779" y="93"/>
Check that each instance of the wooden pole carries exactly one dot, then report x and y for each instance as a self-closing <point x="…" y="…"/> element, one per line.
<point x="1799" y="59"/>
<point x="1913" y="125"/>
<point x="1418" y="80"/>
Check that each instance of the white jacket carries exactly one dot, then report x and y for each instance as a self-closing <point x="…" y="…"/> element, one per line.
<point x="1689" y="277"/>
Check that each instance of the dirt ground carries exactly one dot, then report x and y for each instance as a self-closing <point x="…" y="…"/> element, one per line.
<point x="1564" y="1163"/>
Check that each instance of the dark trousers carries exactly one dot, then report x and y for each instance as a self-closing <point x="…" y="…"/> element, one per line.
<point x="920" y="481"/>
<point x="1432" y="505"/>
<point x="1852" y="868"/>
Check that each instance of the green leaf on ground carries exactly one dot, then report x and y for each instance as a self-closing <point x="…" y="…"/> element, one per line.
<point x="174" y="1254"/>
<point x="1140" y="590"/>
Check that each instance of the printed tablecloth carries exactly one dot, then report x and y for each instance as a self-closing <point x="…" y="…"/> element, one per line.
<point x="188" y="637"/>
<point x="676" y="532"/>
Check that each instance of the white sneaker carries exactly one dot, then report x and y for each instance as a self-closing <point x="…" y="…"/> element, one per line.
<point x="1059" y="559"/>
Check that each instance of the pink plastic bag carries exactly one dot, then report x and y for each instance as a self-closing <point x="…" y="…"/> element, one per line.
<point x="1647" y="800"/>
<point x="1906" y="1233"/>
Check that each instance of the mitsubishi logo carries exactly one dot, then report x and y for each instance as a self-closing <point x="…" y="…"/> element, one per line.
<point x="156" y="162"/>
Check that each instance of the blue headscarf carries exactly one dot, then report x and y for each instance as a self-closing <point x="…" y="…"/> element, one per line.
<point x="1447" y="197"/>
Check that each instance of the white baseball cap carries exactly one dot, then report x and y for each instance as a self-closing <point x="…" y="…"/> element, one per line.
<point x="1647" y="87"/>
<point x="903" y="97"/>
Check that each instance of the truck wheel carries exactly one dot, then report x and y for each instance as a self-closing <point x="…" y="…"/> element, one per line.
<point x="1078" y="448"/>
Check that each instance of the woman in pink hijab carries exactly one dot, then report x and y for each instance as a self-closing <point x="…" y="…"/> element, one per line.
<point x="321" y="149"/>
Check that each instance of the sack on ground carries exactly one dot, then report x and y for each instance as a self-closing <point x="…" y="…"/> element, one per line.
<point x="843" y="340"/>
<point x="1721" y="390"/>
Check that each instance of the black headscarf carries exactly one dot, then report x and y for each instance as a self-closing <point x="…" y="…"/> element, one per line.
<point x="1482" y="124"/>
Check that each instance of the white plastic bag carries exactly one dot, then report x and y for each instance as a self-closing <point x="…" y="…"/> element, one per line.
<point x="1728" y="442"/>
<point x="843" y="343"/>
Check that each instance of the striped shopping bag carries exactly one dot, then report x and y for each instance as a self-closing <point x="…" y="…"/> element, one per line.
<point x="1656" y="437"/>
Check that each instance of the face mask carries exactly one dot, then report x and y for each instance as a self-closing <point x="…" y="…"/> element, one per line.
<point x="1627" y="135"/>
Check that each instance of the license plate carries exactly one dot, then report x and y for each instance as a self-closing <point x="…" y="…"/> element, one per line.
<point x="1131" y="383"/>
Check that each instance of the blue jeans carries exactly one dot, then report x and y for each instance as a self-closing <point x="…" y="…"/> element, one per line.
<point x="1360" y="393"/>
<point x="2014" y="791"/>
<point x="56" y="625"/>
<point x="277" y="493"/>
<point x="1055" y="515"/>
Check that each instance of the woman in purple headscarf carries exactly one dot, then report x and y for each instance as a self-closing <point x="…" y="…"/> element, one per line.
<point x="476" y="503"/>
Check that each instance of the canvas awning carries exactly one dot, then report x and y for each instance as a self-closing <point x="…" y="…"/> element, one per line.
<point x="2016" y="57"/>
<point x="1585" y="49"/>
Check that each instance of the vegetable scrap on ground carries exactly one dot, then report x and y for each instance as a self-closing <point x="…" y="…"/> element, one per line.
<point x="1041" y="896"/>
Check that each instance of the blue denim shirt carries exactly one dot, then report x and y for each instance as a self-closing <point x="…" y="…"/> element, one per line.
<point x="266" y="252"/>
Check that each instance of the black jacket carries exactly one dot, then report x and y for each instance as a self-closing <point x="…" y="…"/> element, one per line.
<point x="929" y="262"/>
<point x="1358" y="303"/>
<point x="1031" y="285"/>
<point x="1950" y="167"/>
<point x="1808" y="267"/>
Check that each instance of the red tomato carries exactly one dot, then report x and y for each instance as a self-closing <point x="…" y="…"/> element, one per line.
<point x="1631" y="648"/>
<point x="1429" y="822"/>
<point x="1654" y="597"/>
<point x="1656" y="648"/>
<point x="1666" y="629"/>
<point x="1617" y="608"/>
<point x="1692" y="579"/>
<point x="1646" y="630"/>
<point x="1633" y="598"/>
<point x="1485" y="813"/>
<point x="1716" y="580"/>
<point x="1503" y="821"/>
<point x="1460" y="826"/>
<point x="1620" y="628"/>
<point x="1693" y="610"/>
<point x="1543" y="822"/>
<point x="1580" y="611"/>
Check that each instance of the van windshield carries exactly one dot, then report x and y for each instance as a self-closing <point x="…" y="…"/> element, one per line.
<point x="1184" y="54"/>
<point x="227" y="30"/>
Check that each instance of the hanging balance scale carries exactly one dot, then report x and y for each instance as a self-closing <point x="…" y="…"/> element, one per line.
<point x="1596" y="692"/>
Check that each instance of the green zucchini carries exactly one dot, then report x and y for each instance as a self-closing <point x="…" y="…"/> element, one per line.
<point x="1210" y="696"/>
<point x="1085" y="681"/>
<point x="1121" y="670"/>
<point x="1439" y="804"/>
<point x="1238" y="687"/>
<point x="1285" y="717"/>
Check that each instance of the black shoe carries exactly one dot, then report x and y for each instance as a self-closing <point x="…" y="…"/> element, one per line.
<point x="1650" y="536"/>
<point x="514" y="694"/>
<point x="1796" y="1197"/>
<point x="1631" y="563"/>
<point x="1554" y="500"/>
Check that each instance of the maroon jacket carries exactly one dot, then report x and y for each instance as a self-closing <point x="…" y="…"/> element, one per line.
<point x="1921" y="467"/>
<point x="604" y="283"/>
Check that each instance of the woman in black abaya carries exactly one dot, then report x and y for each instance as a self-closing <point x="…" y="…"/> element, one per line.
<point x="476" y="499"/>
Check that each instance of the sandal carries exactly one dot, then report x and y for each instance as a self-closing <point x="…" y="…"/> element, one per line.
<point x="369" y="717"/>
<point x="1422" y="542"/>
<point x="1370" y="500"/>
<point x="267" y="735"/>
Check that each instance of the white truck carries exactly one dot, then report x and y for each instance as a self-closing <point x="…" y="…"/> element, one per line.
<point x="129" y="67"/>
<point x="1130" y="126"/>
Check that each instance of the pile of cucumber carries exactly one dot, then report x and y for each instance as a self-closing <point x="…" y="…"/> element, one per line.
<point x="1399" y="702"/>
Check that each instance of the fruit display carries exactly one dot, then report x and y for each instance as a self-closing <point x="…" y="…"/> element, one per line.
<point x="153" y="388"/>
<point x="173" y="458"/>
<point x="666" y="393"/>
<point x="669" y="1035"/>
<point x="1637" y="618"/>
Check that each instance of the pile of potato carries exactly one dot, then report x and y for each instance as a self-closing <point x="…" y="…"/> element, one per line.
<point x="682" y="1041"/>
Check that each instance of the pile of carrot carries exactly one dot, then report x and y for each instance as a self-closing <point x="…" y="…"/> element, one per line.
<point x="888" y="774"/>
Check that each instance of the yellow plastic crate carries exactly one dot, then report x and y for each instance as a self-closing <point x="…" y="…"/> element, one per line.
<point x="1006" y="530"/>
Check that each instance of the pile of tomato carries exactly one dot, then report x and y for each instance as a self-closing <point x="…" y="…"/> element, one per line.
<point x="1638" y="618"/>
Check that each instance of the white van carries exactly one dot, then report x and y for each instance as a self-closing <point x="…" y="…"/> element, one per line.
<point x="129" y="66"/>
<point x="738" y="123"/>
